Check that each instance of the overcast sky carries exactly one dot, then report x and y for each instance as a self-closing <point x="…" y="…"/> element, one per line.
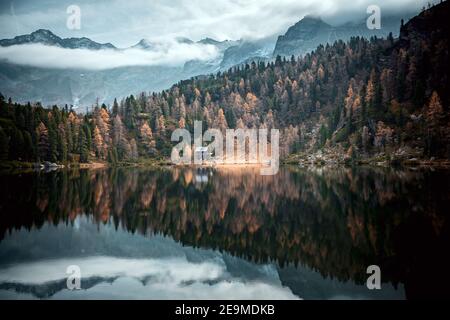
<point x="125" y="22"/>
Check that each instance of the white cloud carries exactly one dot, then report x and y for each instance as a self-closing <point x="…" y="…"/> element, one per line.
<point x="168" y="53"/>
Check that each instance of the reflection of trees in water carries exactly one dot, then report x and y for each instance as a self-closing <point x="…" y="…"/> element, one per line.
<point x="335" y="221"/>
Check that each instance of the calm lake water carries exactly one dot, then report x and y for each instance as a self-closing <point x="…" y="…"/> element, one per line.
<point x="185" y="233"/>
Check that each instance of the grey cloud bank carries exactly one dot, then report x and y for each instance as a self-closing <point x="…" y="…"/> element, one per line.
<point x="171" y="53"/>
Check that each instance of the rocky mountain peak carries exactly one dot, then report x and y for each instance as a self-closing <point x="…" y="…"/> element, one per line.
<point x="47" y="37"/>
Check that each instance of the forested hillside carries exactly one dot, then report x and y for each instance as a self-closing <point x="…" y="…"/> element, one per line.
<point x="359" y="99"/>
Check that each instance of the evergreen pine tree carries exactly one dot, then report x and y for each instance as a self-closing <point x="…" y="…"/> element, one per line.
<point x="4" y="145"/>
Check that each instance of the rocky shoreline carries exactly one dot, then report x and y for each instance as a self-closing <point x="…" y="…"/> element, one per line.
<point x="321" y="158"/>
<point x="401" y="157"/>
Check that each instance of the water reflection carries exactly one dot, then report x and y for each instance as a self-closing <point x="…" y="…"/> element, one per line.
<point x="327" y="225"/>
<point x="116" y="264"/>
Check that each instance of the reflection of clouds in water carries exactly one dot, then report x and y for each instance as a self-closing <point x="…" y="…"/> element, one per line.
<point x="225" y="289"/>
<point x="175" y="269"/>
<point x="174" y="278"/>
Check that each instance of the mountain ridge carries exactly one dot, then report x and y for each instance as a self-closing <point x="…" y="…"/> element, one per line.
<point x="311" y="31"/>
<point x="47" y="37"/>
<point x="85" y="87"/>
<point x="44" y="36"/>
